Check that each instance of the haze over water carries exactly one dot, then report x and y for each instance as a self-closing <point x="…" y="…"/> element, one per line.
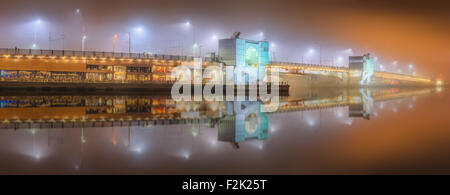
<point x="312" y="132"/>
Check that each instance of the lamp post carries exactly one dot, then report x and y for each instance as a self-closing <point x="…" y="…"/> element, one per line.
<point x="129" y="43"/>
<point x="36" y="27"/>
<point x="114" y="40"/>
<point x="83" y="39"/>
<point x="194" y="42"/>
<point x="138" y="30"/>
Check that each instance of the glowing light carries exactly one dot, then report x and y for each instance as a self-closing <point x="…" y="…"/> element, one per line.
<point x="311" y="51"/>
<point x="137" y="150"/>
<point x="349" y="51"/>
<point x="438" y="82"/>
<point x="410" y="66"/>
<point x="78" y="11"/>
<point x="349" y="122"/>
<point x="260" y="146"/>
<point x="311" y="122"/>
<point x="38" y="21"/>
<point x="214" y="37"/>
<point x="273" y="45"/>
<point x="186" y="154"/>
<point x="340" y="59"/>
<point x="139" y="29"/>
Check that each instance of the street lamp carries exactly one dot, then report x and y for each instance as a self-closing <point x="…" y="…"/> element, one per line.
<point x="83" y="39"/>
<point x="114" y="40"/>
<point x="313" y="51"/>
<point x="137" y="30"/>
<point x="340" y="60"/>
<point x="188" y="24"/>
<point x="272" y="52"/>
<point x="198" y="48"/>
<point x="37" y="25"/>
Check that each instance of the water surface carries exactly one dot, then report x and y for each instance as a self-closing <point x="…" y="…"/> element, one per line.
<point x="317" y="131"/>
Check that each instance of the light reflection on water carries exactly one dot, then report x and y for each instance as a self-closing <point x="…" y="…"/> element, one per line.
<point x="319" y="131"/>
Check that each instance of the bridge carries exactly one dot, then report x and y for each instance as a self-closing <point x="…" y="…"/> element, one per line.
<point x="350" y="77"/>
<point x="64" y="66"/>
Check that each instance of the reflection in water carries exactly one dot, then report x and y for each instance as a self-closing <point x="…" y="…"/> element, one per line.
<point x="243" y="121"/>
<point x="108" y="129"/>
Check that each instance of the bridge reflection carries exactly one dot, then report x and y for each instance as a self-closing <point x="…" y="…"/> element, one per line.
<point x="235" y="122"/>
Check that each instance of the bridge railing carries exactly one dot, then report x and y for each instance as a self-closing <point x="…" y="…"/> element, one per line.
<point x="73" y="53"/>
<point x="304" y="65"/>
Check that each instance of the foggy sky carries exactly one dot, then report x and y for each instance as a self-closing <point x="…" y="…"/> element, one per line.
<point x="414" y="32"/>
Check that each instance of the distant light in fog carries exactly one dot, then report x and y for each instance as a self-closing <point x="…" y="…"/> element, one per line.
<point x="78" y="11"/>
<point x="38" y="21"/>
<point x="311" y="122"/>
<point x="311" y="51"/>
<point x="349" y="51"/>
<point x="273" y="45"/>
